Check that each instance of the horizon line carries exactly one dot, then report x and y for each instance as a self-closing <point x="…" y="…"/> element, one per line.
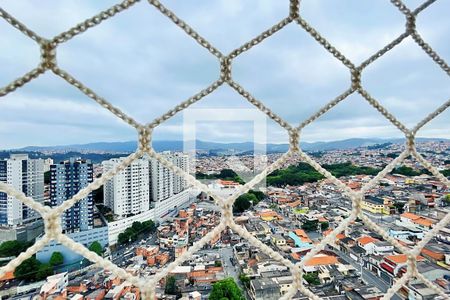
<point x="228" y="142"/>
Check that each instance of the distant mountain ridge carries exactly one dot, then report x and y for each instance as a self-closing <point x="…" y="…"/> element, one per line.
<point x="174" y="145"/>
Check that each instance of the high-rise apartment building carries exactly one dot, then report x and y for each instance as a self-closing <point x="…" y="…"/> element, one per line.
<point x="26" y="175"/>
<point x="67" y="179"/>
<point x="146" y="180"/>
<point x="127" y="193"/>
<point x="163" y="182"/>
<point x="181" y="161"/>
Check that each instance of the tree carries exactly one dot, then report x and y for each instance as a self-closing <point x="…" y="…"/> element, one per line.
<point x="347" y="169"/>
<point x="447" y="199"/>
<point x="56" y="259"/>
<point x="217" y="263"/>
<point x="122" y="238"/>
<point x="96" y="247"/>
<point x="404" y="170"/>
<point x="132" y="233"/>
<point x="303" y="172"/>
<point x="137" y="226"/>
<point x="399" y="207"/>
<point x="258" y="194"/>
<point x="312" y="278"/>
<point x="273" y="206"/>
<point x="324" y="225"/>
<point x="393" y="154"/>
<point x="27" y="269"/>
<point x="149" y="226"/>
<point x="225" y="174"/>
<point x="13" y="248"/>
<point x="309" y="225"/>
<point x="171" y="286"/>
<point x="245" y="280"/>
<point x="44" y="270"/>
<point x="226" y="289"/>
<point x="243" y="202"/>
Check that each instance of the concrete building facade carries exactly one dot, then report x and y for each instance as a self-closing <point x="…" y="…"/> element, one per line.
<point x="26" y="175"/>
<point x="128" y="192"/>
<point x="67" y="179"/>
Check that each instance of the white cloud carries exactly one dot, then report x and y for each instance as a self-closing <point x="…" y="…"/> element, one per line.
<point x="145" y="65"/>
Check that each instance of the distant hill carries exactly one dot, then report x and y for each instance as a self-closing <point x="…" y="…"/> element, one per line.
<point x="160" y="145"/>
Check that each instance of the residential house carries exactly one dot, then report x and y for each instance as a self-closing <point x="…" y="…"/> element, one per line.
<point x="263" y="289"/>
<point x="377" y="205"/>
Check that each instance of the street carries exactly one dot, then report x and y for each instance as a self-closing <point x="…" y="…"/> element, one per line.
<point x="367" y="275"/>
<point x="230" y="270"/>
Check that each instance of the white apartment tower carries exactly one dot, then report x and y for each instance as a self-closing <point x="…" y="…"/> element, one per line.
<point x="146" y="181"/>
<point x="26" y="175"/>
<point x="163" y="182"/>
<point x="127" y="193"/>
<point x="181" y="161"/>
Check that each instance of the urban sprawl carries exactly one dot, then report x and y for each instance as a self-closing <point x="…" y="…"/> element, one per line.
<point x="146" y="216"/>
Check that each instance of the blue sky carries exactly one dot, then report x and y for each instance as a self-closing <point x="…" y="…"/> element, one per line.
<point x="145" y="65"/>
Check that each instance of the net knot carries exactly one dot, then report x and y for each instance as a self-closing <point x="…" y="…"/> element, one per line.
<point x="48" y="54"/>
<point x="294" y="139"/>
<point x="225" y="68"/>
<point x="227" y="213"/>
<point x="356" y="78"/>
<point x="145" y="134"/>
<point x="410" y="143"/>
<point x="52" y="223"/>
<point x="410" y="23"/>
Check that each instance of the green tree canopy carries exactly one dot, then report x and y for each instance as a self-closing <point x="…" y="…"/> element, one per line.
<point x="348" y="169"/>
<point x="245" y="280"/>
<point x="56" y="259"/>
<point x="171" y="286"/>
<point x="312" y="278"/>
<point x="447" y="199"/>
<point x="400" y="207"/>
<point x="258" y="194"/>
<point x="96" y="247"/>
<point x="226" y="289"/>
<point x="244" y="202"/>
<point x="137" y="228"/>
<point x="27" y="269"/>
<point x="44" y="270"/>
<point x="303" y="172"/>
<point x="149" y="226"/>
<point x="13" y="248"/>
<point x="122" y="238"/>
<point x="404" y="170"/>
<point x="310" y="225"/>
<point x="225" y="174"/>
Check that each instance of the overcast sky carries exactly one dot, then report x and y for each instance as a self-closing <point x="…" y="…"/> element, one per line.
<point x="145" y="65"/>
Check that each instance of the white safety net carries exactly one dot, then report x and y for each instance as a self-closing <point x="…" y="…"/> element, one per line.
<point x="51" y="216"/>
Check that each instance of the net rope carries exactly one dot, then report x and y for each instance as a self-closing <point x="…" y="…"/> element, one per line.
<point x="147" y="285"/>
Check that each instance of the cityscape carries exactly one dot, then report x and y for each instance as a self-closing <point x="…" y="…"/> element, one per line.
<point x="224" y="150"/>
<point x="146" y="216"/>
